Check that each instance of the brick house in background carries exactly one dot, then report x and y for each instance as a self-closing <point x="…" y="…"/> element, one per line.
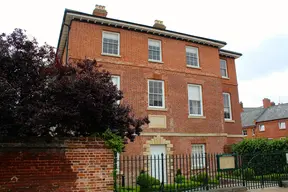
<point x="186" y="84"/>
<point x="268" y="121"/>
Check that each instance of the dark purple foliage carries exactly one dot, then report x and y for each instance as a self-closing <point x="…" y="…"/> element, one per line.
<point x="38" y="99"/>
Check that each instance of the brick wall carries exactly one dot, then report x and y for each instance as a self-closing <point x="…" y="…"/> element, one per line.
<point x="134" y="69"/>
<point x="69" y="165"/>
<point x="272" y="129"/>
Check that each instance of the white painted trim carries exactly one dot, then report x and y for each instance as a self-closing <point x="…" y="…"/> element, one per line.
<point x="201" y="102"/>
<point x="118" y="36"/>
<point x="103" y="20"/>
<point x="230" y="107"/>
<point x="163" y="95"/>
<point x="173" y="134"/>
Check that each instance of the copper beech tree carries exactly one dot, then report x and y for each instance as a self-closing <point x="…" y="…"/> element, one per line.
<point x="39" y="98"/>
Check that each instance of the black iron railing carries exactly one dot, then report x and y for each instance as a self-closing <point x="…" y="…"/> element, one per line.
<point x="197" y="172"/>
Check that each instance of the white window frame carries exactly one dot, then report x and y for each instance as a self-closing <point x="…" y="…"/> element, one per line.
<point x="197" y="50"/>
<point x="253" y="131"/>
<point x="114" y="33"/>
<point x="230" y="106"/>
<point x="195" y="163"/>
<point x="280" y="123"/>
<point x="201" y="99"/>
<point x="260" y="128"/>
<point x="118" y="83"/>
<point x="227" y="75"/>
<point x="160" y="43"/>
<point x="244" y="131"/>
<point x="163" y="95"/>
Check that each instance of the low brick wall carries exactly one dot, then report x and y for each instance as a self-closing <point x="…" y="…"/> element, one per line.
<point x="77" y="165"/>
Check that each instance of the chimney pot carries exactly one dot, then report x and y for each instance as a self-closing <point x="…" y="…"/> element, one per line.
<point x="100" y="11"/>
<point x="241" y="106"/>
<point x="266" y="103"/>
<point x="159" y="24"/>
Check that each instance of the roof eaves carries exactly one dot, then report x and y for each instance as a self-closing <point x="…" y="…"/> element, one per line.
<point x="173" y="34"/>
<point x="228" y="53"/>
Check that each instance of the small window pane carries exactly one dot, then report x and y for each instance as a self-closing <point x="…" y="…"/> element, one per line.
<point x="192" y="56"/>
<point x="198" y="156"/>
<point x="194" y="100"/>
<point x="282" y="125"/>
<point x="156" y="93"/>
<point x="154" y="49"/>
<point x="227" y="106"/>
<point x="261" y="128"/>
<point x="223" y="68"/>
<point x="110" y="43"/>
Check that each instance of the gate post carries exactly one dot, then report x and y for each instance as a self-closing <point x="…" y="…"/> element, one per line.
<point x="162" y="175"/>
<point x="115" y="171"/>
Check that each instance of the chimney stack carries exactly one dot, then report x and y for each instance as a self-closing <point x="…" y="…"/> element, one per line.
<point x="159" y="24"/>
<point x="266" y="103"/>
<point x="241" y="106"/>
<point x="100" y="11"/>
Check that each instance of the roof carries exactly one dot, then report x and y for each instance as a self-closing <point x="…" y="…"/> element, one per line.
<point x="274" y="112"/>
<point x="71" y="15"/>
<point x="249" y="116"/>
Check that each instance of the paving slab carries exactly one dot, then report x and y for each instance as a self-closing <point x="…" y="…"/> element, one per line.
<point x="272" y="189"/>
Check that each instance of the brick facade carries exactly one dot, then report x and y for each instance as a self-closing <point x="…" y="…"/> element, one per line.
<point x="134" y="70"/>
<point x="71" y="165"/>
<point x="272" y="130"/>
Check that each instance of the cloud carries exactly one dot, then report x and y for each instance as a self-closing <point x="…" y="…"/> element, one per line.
<point x="270" y="56"/>
<point x="272" y="86"/>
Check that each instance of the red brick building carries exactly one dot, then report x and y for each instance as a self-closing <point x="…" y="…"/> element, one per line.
<point x="268" y="121"/>
<point x="180" y="81"/>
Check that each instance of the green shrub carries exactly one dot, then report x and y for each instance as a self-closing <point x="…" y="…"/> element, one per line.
<point x="213" y="181"/>
<point x="237" y="172"/>
<point x="200" y="177"/>
<point x="248" y="173"/>
<point x="285" y="169"/>
<point x="179" y="179"/>
<point x="146" y="182"/>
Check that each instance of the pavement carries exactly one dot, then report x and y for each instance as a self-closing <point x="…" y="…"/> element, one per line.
<point x="272" y="189"/>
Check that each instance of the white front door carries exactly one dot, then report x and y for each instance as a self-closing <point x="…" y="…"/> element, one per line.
<point x="158" y="164"/>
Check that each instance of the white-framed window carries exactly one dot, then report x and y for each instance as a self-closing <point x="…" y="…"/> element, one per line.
<point x="253" y="132"/>
<point x="198" y="156"/>
<point x="261" y="127"/>
<point x="227" y="106"/>
<point x="244" y="132"/>
<point x="195" y="100"/>
<point x="110" y="43"/>
<point x="282" y="125"/>
<point x="116" y="81"/>
<point x="156" y="96"/>
<point x="223" y="68"/>
<point x="154" y="49"/>
<point x="192" y="56"/>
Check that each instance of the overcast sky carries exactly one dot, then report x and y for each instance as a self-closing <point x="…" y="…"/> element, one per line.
<point x="256" y="28"/>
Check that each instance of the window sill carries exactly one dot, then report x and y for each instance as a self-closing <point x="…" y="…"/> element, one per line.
<point x="196" y="117"/>
<point x="262" y="131"/>
<point x="156" y="109"/>
<point x="111" y="55"/>
<point x="153" y="61"/>
<point x="282" y="128"/>
<point x="193" y="67"/>
<point x="225" y="77"/>
<point x="229" y="121"/>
